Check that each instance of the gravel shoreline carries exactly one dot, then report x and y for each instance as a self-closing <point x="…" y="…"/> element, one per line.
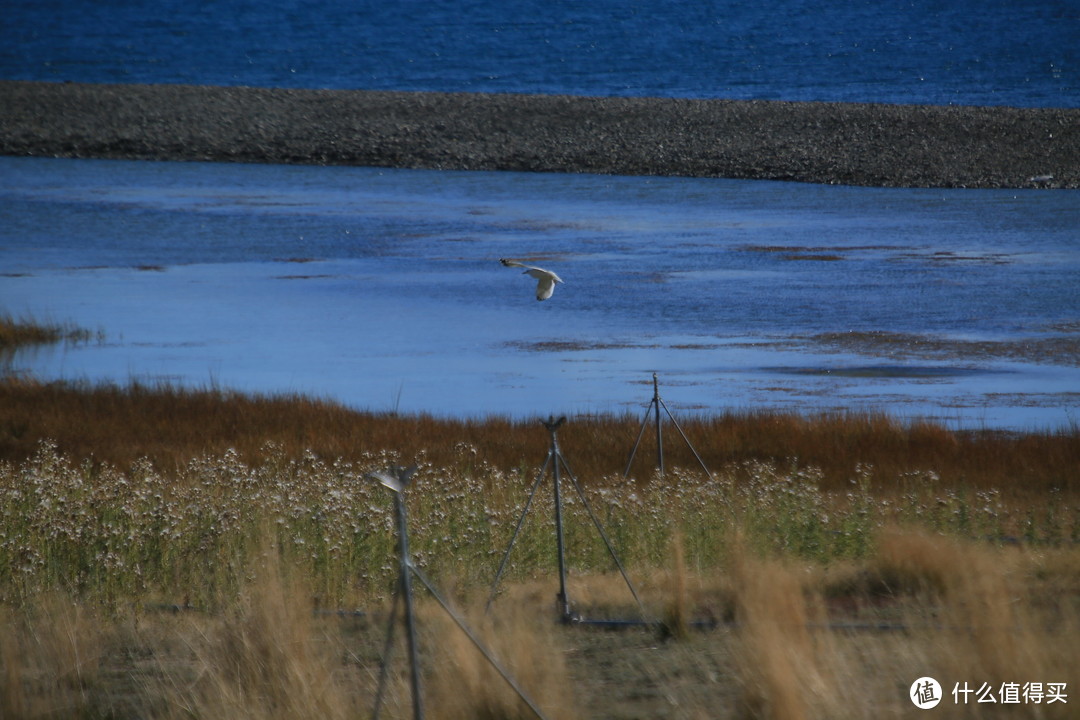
<point x="835" y="143"/>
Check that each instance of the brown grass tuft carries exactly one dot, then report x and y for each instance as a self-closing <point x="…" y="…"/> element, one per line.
<point x="971" y="620"/>
<point x="466" y="687"/>
<point x="909" y="563"/>
<point x="779" y="673"/>
<point x="676" y="621"/>
<point x="51" y="660"/>
<point x="991" y="631"/>
<point x="266" y="658"/>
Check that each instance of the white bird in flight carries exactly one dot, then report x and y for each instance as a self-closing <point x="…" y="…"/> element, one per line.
<point x="546" y="279"/>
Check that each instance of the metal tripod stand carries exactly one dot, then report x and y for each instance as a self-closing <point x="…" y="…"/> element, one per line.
<point x="396" y="479"/>
<point x="555" y="461"/>
<point x="654" y="409"/>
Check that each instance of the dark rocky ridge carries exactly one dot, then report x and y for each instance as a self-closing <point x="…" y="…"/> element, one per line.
<point x="854" y="144"/>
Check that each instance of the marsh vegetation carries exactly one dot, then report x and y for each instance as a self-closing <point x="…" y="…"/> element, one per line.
<point x="170" y="552"/>
<point x="18" y="332"/>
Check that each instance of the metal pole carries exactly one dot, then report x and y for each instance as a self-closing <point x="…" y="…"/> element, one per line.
<point x="384" y="666"/>
<point x="687" y="441"/>
<point x="396" y="479"/>
<point x="479" y="645"/>
<point x="659" y="436"/>
<point x="633" y="450"/>
<point x="603" y="535"/>
<point x="406" y="590"/>
<point x="513" y="538"/>
<point x="654" y="408"/>
<point x="563" y="602"/>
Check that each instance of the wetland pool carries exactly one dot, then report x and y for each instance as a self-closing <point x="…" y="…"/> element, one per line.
<point x="382" y="289"/>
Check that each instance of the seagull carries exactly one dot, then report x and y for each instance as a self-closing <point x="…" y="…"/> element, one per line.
<point x="545" y="278"/>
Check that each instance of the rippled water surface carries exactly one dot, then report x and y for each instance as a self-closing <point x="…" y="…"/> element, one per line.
<point x="967" y="52"/>
<point x="382" y="289"/>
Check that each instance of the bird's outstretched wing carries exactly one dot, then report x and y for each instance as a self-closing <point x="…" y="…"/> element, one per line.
<point x="545" y="279"/>
<point x="544" y="288"/>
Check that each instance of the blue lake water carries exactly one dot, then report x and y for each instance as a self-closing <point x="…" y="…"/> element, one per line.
<point x="382" y="289"/>
<point x="974" y="52"/>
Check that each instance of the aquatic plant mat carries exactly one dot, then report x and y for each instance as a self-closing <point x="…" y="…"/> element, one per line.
<point x="24" y="331"/>
<point x="168" y="553"/>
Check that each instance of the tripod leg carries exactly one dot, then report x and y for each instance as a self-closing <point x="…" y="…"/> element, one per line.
<point x="388" y="646"/>
<point x="603" y="536"/>
<point x="476" y="641"/>
<point x="513" y="538"/>
<point x="686" y="439"/>
<point x="637" y="442"/>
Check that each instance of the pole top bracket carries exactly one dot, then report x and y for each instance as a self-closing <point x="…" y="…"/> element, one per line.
<point x="552" y="424"/>
<point x="395" y="477"/>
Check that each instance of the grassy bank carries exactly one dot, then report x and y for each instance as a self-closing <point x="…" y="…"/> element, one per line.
<point x="248" y="513"/>
<point x="170" y="426"/>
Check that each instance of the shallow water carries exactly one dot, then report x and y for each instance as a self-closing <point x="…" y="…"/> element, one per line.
<point x="382" y="289"/>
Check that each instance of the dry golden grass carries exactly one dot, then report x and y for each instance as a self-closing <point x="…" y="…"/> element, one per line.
<point x="783" y="675"/>
<point x="982" y="619"/>
<point x="993" y="628"/>
<point x="676" y="614"/>
<point x="465" y="685"/>
<point x="266" y="657"/>
<point x="51" y="659"/>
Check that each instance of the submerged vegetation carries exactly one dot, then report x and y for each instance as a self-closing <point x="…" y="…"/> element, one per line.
<point x="20" y="332"/>
<point x="169" y="553"/>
